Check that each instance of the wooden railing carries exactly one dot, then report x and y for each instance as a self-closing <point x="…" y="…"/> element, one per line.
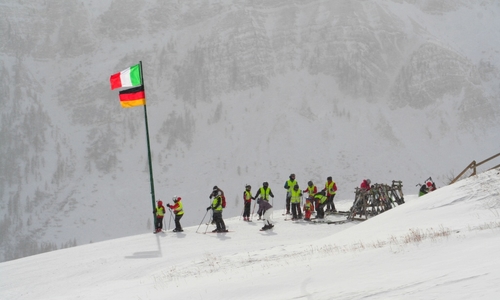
<point x="473" y="166"/>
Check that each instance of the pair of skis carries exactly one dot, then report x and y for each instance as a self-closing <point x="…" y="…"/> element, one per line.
<point x="323" y="221"/>
<point x="165" y="231"/>
<point x="270" y="228"/>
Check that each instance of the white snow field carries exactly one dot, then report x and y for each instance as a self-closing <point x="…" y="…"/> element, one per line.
<point x="443" y="245"/>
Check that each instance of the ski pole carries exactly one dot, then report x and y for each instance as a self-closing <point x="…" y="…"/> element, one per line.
<point x="271" y="216"/>
<point x="242" y="210"/>
<point x="272" y="203"/>
<point x="253" y="210"/>
<point x="211" y="218"/>
<point x="169" y="221"/>
<point x="202" y="221"/>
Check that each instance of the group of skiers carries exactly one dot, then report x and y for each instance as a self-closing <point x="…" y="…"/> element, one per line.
<point x="319" y="201"/>
<point x="218" y="203"/>
<point x="316" y="201"/>
<point x="176" y="208"/>
<point x="262" y="197"/>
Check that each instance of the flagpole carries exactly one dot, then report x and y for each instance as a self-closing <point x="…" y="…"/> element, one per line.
<point x="149" y="150"/>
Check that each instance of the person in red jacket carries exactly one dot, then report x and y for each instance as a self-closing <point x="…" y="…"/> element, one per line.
<point x="308" y="208"/>
<point x="159" y="212"/>
<point x="365" y="184"/>
<point x="431" y="186"/>
<point x="178" y="211"/>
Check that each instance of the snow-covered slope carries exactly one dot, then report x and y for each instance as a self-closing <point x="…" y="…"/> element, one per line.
<point x="238" y="93"/>
<point x="440" y="246"/>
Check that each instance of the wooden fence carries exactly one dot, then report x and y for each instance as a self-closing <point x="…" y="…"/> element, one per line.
<point x="473" y="166"/>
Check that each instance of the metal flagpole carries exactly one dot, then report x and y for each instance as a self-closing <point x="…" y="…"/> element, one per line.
<point x="149" y="148"/>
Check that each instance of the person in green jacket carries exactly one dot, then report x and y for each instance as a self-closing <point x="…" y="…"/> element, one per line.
<point x="289" y="184"/>
<point x="321" y="198"/>
<point x="263" y="193"/>
<point x="295" y="195"/>
<point x="247" y="201"/>
<point x="216" y="207"/>
<point x="331" y="190"/>
<point x="159" y="213"/>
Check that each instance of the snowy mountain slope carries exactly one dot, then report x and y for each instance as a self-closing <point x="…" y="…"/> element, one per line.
<point x="440" y="246"/>
<point x="237" y="93"/>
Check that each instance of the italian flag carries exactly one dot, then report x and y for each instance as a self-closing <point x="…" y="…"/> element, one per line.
<point x="133" y="97"/>
<point x="127" y="78"/>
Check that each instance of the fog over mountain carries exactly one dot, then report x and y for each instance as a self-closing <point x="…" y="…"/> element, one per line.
<point x="238" y="92"/>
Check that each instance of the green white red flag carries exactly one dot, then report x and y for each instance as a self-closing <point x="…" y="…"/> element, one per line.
<point x="129" y="77"/>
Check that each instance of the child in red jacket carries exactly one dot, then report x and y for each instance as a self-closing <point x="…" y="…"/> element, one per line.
<point x="308" y="208"/>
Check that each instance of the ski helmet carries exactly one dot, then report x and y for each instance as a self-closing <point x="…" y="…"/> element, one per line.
<point x="265" y="184"/>
<point x="160" y="203"/>
<point x="310" y="183"/>
<point x="248" y="187"/>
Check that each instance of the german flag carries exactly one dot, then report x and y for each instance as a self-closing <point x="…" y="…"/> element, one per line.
<point x="133" y="97"/>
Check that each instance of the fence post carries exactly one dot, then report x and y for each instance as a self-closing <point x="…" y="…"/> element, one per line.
<point x="473" y="166"/>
